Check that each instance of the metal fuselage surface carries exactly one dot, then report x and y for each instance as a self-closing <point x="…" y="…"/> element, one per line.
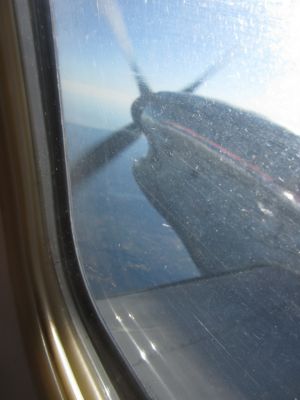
<point x="226" y="180"/>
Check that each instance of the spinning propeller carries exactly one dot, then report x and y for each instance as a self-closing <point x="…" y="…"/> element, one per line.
<point x="105" y="151"/>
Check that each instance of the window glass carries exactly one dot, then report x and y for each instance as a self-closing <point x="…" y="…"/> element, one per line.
<point x="182" y="123"/>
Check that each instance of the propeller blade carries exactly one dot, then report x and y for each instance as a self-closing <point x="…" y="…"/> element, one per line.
<point x="203" y="78"/>
<point x="140" y="80"/>
<point x="103" y="153"/>
<point x="111" y="10"/>
<point x="212" y="70"/>
<point x="113" y="15"/>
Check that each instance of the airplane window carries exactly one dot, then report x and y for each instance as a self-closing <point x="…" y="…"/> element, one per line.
<point x="181" y="122"/>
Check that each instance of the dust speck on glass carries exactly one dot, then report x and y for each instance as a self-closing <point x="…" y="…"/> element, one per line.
<point x="182" y="126"/>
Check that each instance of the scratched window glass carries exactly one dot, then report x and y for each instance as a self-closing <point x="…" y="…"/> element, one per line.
<point x="181" y="122"/>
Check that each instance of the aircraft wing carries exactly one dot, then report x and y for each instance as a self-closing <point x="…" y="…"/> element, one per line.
<point x="231" y="337"/>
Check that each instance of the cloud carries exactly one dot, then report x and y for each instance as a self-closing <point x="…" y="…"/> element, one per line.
<point x="98" y="93"/>
<point x="95" y="106"/>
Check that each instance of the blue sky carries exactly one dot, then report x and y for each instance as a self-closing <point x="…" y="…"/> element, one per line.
<point x="174" y="41"/>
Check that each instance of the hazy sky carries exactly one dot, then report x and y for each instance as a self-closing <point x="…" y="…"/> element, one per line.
<point x="174" y="41"/>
